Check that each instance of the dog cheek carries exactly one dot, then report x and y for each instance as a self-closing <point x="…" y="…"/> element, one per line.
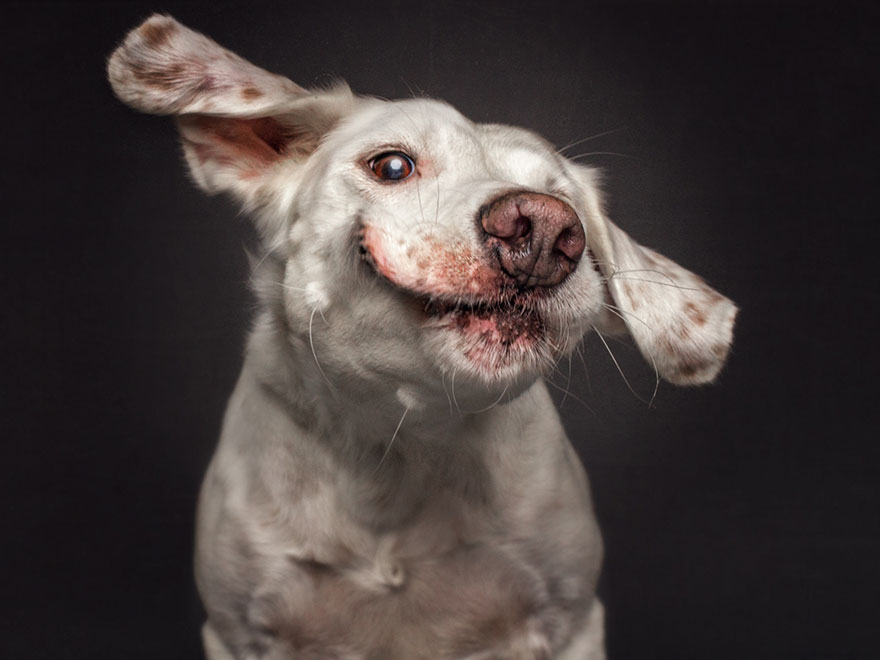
<point x="457" y="271"/>
<point x="375" y="252"/>
<point x="579" y="306"/>
<point x="428" y="266"/>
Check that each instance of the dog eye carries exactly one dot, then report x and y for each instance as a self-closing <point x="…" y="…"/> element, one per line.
<point x="392" y="166"/>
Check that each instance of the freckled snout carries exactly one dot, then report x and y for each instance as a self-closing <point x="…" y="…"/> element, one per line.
<point x="538" y="239"/>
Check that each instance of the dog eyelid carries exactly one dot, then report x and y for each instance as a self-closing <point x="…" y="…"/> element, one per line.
<point x="392" y="166"/>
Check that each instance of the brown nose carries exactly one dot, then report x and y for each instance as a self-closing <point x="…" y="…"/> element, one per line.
<point x="538" y="239"/>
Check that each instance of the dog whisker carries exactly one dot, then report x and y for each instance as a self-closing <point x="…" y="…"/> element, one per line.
<point x="669" y="284"/>
<point x="656" y="382"/>
<point x="567" y="393"/>
<point x="619" y="313"/>
<point x="314" y="353"/>
<point x="270" y="250"/>
<point x="579" y="349"/>
<point x="419" y="196"/>
<point x="409" y="88"/>
<point x="562" y="150"/>
<point x="454" y="399"/>
<point x="616" y="273"/>
<point x="606" y="153"/>
<point x="289" y="287"/>
<point x="393" y="437"/>
<point x="616" y="364"/>
<point x="446" y="391"/>
<point x="492" y="405"/>
<point x="567" y="382"/>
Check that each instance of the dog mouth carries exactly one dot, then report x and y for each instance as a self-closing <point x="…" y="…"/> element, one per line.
<point x="498" y="337"/>
<point x="505" y="323"/>
<point x="501" y="328"/>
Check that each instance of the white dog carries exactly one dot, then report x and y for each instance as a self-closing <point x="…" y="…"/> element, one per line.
<point x="392" y="480"/>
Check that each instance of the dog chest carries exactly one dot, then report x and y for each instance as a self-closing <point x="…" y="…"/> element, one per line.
<point x="472" y="600"/>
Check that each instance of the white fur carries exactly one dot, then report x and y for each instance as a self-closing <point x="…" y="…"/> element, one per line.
<point x="390" y="482"/>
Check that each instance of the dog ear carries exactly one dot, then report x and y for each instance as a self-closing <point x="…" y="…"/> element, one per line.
<point x="236" y="120"/>
<point x="680" y="324"/>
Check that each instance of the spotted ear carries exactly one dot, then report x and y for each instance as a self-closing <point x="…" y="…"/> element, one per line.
<point x="236" y="120"/>
<point x="680" y="324"/>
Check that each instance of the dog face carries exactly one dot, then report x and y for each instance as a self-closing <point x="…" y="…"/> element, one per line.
<point x="411" y="187"/>
<point x="418" y="246"/>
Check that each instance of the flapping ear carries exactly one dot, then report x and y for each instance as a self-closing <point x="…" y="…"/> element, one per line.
<point x="236" y="121"/>
<point x="680" y="324"/>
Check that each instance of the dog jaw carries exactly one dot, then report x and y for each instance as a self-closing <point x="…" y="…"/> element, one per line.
<point x="494" y="325"/>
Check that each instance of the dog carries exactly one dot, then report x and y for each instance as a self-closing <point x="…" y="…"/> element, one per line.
<point x="392" y="480"/>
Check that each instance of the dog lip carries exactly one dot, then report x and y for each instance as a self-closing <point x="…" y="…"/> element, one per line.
<point x="439" y="303"/>
<point x="508" y="293"/>
<point x="507" y="297"/>
<point x="512" y="307"/>
<point x="499" y="329"/>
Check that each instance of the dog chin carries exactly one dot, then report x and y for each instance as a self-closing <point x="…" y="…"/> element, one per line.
<point x="490" y="345"/>
<point x="491" y="337"/>
<point x="499" y="337"/>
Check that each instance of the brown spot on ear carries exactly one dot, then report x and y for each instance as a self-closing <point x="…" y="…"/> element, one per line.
<point x="688" y="369"/>
<point x="691" y="368"/>
<point x="166" y="78"/>
<point x="667" y="345"/>
<point x="251" y="93"/>
<point x="653" y="260"/>
<point x="155" y="34"/>
<point x="684" y="332"/>
<point x="695" y="314"/>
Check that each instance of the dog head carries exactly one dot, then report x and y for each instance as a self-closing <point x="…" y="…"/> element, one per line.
<point x="426" y="244"/>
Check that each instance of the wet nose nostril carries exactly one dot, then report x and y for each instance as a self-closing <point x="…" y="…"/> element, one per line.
<point x="571" y="243"/>
<point x="523" y="229"/>
<point x="506" y="223"/>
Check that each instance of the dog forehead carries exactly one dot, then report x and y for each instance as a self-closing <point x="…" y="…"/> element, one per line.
<point x="435" y="129"/>
<point x="414" y="124"/>
<point x="521" y="156"/>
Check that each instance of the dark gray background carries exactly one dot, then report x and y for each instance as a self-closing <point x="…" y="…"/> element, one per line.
<point x="741" y="520"/>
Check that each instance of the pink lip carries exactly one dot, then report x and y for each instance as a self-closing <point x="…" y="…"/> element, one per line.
<point x="498" y="326"/>
<point x="433" y="269"/>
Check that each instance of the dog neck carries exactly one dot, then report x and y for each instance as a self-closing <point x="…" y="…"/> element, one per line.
<point x="394" y="452"/>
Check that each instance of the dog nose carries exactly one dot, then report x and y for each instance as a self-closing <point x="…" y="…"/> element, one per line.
<point x="537" y="238"/>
